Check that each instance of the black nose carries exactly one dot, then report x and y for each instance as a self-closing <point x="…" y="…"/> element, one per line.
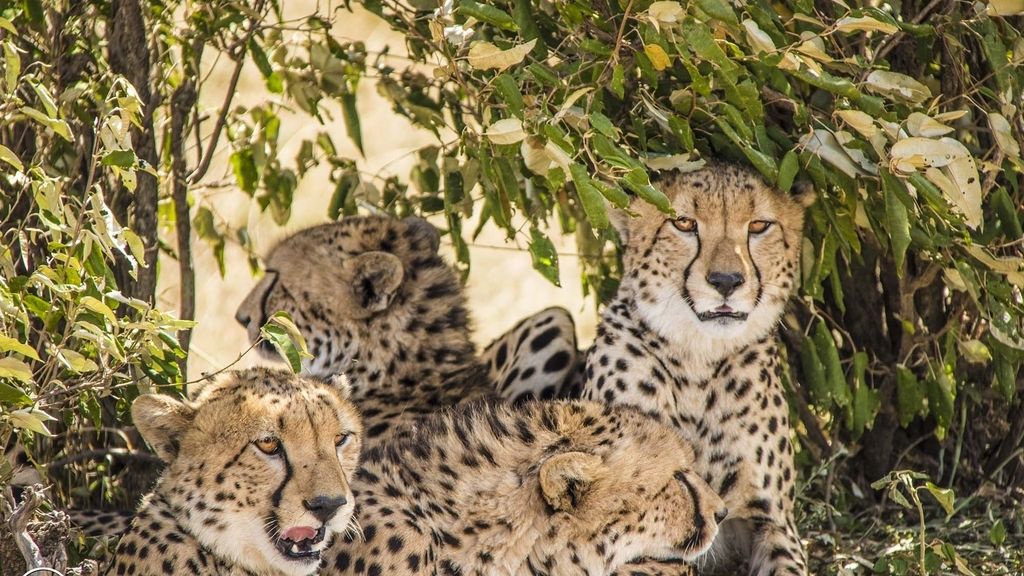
<point x="725" y="282"/>
<point x="721" y="514"/>
<point x="324" y="507"/>
<point x="242" y="318"/>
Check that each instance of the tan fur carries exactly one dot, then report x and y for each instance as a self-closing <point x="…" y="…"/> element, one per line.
<point x="375" y="301"/>
<point x="559" y="488"/>
<point x="716" y="378"/>
<point x="223" y="506"/>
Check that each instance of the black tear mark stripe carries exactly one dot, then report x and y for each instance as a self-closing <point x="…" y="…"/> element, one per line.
<point x="276" y="498"/>
<point x="757" y="273"/>
<point x="266" y="295"/>
<point x="686" y="275"/>
<point x="691" y="541"/>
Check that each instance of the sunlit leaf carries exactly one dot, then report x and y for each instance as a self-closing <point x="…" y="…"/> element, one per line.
<point x="485" y="56"/>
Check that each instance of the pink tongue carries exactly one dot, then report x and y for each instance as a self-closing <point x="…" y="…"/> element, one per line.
<point x="299" y="533"/>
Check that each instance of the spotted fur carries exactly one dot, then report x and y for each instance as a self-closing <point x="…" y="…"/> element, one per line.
<point x="257" y="477"/>
<point x="691" y="336"/>
<point x="375" y="300"/>
<point x="566" y="488"/>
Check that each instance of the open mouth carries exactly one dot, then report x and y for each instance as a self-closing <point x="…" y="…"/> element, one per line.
<point x="298" y="543"/>
<point x="722" y="312"/>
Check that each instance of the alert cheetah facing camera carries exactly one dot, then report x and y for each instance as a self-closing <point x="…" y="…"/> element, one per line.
<point x="555" y="488"/>
<point x="691" y="336"/>
<point x="257" y="477"/>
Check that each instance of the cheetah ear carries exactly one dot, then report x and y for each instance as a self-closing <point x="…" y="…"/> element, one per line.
<point x="339" y="382"/>
<point x="162" y="421"/>
<point x="619" y="220"/>
<point x="375" y="280"/>
<point x="566" y="478"/>
<point x="803" y="193"/>
<point x="422" y="234"/>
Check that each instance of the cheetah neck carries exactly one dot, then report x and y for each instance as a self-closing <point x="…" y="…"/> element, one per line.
<point x="399" y="350"/>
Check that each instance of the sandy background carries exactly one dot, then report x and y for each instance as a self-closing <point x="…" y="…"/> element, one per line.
<point x="502" y="286"/>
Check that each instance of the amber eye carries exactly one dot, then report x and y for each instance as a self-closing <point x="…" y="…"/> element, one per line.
<point x="758" y="226"/>
<point x="270" y="446"/>
<point x="685" y="224"/>
<point x="342" y="439"/>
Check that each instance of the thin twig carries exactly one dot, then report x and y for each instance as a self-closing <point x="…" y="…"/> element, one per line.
<point x="18" y="524"/>
<point x="229" y="97"/>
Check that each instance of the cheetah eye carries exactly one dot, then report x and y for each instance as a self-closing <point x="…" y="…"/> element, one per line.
<point x="269" y="445"/>
<point x="759" y="226"/>
<point x="685" y="224"/>
<point x="342" y="439"/>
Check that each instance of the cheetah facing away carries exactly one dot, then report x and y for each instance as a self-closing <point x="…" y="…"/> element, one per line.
<point x="257" y="477"/>
<point x="691" y="336"/>
<point x="559" y="488"/>
<point x="375" y="301"/>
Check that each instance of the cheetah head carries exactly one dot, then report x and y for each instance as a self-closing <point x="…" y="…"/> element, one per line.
<point x="259" y="465"/>
<point x="336" y="280"/>
<point x="631" y="479"/>
<point x="724" y="266"/>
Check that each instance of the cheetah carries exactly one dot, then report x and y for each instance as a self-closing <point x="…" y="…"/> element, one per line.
<point x="691" y="335"/>
<point x="257" y="482"/>
<point x="375" y="300"/>
<point x="560" y="487"/>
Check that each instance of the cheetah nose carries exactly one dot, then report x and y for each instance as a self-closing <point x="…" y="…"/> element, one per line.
<point x="721" y="515"/>
<point x="725" y="282"/>
<point x="324" y="507"/>
<point x="242" y="318"/>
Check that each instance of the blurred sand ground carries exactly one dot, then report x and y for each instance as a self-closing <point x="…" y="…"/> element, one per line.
<point x="502" y="286"/>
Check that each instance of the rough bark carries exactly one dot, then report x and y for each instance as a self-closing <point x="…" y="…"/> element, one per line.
<point x="129" y="56"/>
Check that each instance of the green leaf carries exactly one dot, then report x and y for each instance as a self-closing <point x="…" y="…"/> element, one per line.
<point x="1005" y="376"/>
<point x="945" y="497"/>
<point x="612" y="193"/>
<point x="8" y="344"/>
<point x="829" y="356"/>
<point x="259" y="57"/>
<point x="719" y="10"/>
<point x="618" y="83"/>
<point x="590" y="197"/>
<point x="639" y="183"/>
<point x="897" y="222"/>
<point x="99" y="307"/>
<point x="16" y="369"/>
<point x="997" y="534"/>
<point x="31" y="419"/>
<point x="351" y="116"/>
<point x="13" y="396"/>
<point x="909" y="395"/>
<point x="487" y="13"/>
<point x="77" y="362"/>
<point x="282" y="333"/>
<point x="120" y="158"/>
<point x="1009" y="219"/>
<point x="602" y="124"/>
<point x="346" y="184"/>
<point x="814" y="375"/>
<point x="12" y="67"/>
<point x="941" y="395"/>
<point x="544" y="255"/>
<point x="866" y="401"/>
<point x="243" y="164"/>
<point x="787" y="170"/>
<point x="11" y="158"/>
<point x="510" y="93"/>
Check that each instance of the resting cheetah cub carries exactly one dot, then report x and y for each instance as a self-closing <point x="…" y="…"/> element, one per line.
<point x="559" y="488"/>
<point x="691" y="335"/>
<point x="257" y="478"/>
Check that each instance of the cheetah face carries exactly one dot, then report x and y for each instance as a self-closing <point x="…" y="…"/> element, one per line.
<point x="259" y="465"/>
<point x="333" y="280"/>
<point x="725" y="264"/>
